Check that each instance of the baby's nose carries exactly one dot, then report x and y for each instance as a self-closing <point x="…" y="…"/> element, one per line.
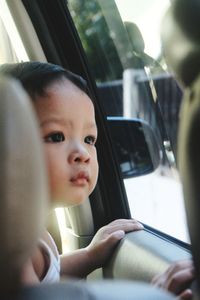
<point x="79" y="155"/>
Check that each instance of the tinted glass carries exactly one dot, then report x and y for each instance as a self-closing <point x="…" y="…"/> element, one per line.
<point x="121" y="39"/>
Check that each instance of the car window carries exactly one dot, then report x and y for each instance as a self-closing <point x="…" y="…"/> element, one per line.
<point x="121" y="40"/>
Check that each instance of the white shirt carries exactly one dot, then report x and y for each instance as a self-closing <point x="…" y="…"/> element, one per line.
<point x="53" y="273"/>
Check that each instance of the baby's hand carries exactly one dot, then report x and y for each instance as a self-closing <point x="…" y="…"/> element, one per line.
<point x="107" y="237"/>
<point x="177" y="279"/>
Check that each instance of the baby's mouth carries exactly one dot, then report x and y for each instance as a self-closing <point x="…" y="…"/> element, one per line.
<point x="80" y="178"/>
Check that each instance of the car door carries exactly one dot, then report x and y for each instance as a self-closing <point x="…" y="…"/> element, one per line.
<point x="102" y="41"/>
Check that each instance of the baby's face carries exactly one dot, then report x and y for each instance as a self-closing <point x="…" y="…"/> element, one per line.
<point x="67" y="122"/>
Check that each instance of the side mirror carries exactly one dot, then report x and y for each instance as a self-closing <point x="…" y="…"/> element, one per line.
<point x="136" y="147"/>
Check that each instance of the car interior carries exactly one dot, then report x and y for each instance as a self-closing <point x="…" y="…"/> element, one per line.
<point x="141" y="255"/>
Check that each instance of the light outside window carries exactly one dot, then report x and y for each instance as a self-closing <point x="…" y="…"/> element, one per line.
<point x="12" y="49"/>
<point x="147" y="15"/>
<point x="125" y="34"/>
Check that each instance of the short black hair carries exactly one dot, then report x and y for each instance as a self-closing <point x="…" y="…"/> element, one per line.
<point x="36" y="76"/>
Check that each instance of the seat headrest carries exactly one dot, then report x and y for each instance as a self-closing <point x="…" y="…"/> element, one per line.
<point x="135" y="37"/>
<point x="189" y="165"/>
<point x="181" y="39"/>
<point x="181" y="44"/>
<point x="23" y="182"/>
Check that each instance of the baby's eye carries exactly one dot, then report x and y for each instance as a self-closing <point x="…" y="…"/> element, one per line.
<point x="56" y="137"/>
<point x="90" y="140"/>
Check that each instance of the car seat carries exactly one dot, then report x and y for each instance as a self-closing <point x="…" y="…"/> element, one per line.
<point x="24" y="201"/>
<point x="181" y="42"/>
<point x="22" y="184"/>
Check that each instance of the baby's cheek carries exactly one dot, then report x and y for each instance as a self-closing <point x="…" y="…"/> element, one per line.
<point x="94" y="172"/>
<point x="53" y="178"/>
<point x="53" y="184"/>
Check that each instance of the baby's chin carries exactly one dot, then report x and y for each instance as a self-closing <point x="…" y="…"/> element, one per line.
<point x="68" y="202"/>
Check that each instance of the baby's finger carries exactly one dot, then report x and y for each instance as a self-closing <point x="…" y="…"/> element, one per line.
<point x="158" y="279"/>
<point x="115" y="237"/>
<point x="180" y="266"/>
<point x="121" y="221"/>
<point x="186" y="295"/>
<point x="180" y="281"/>
<point x="126" y="226"/>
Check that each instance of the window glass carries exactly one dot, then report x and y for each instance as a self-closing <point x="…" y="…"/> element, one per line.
<point x="121" y="39"/>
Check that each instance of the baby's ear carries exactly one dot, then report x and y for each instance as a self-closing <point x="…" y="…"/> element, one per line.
<point x="23" y="183"/>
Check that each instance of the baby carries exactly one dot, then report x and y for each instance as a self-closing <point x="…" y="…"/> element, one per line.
<point x="69" y="132"/>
